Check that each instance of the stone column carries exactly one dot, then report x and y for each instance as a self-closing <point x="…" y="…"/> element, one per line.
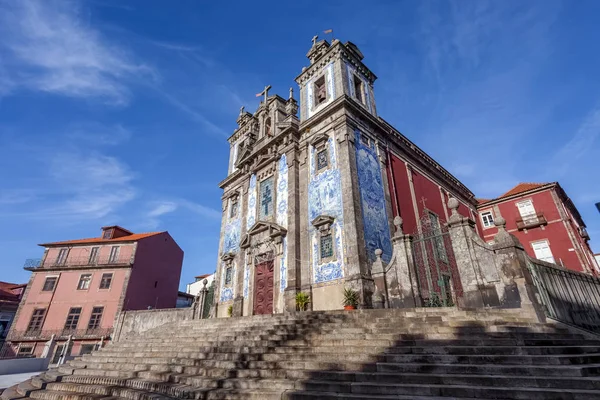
<point x="294" y="275"/>
<point x="401" y="276"/>
<point x="461" y="229"/>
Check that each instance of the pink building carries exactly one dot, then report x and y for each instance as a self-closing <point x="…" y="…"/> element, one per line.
<point x="79" y="286"/>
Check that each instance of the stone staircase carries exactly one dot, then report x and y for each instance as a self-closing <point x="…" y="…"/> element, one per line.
<point x="366" y="354"/>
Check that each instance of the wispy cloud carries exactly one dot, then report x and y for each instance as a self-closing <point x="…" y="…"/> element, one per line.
<point x="99" y="134"/>
<point x="162" y="208"/>
<point x="48" y="48"/>
<point x="580" y="144"/>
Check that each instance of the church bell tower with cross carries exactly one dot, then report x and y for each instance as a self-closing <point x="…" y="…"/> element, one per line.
<point x="304" y="204"/>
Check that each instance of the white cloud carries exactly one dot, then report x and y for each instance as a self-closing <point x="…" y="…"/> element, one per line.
<point x="202" y="210"/>
<point x="162" y="208"/>
<point x="47" y="47"/>
<point x="581" y="143"/>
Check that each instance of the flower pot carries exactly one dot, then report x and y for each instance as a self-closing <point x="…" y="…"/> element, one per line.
<point x="349" y="307"/>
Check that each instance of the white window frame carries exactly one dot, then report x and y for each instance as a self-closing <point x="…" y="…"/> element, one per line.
<point x="314" y="91"/>
<point x="89" y="282"/>
<point x="114" y="254"/>
<point x="526" y="215"/>
<point x="487" y="224"/>
<point x="550" y="259"/>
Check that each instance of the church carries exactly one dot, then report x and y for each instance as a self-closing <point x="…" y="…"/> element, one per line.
<point x="309" y="202"/>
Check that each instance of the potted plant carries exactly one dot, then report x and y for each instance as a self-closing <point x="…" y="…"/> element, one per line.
<point x="350" y="299"/>
<point x="302" y="300"/>
<point x="229" y="311"/>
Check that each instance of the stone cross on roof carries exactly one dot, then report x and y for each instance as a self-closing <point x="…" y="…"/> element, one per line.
<point x="314" y="39"/>
<point x="265" y="92"/>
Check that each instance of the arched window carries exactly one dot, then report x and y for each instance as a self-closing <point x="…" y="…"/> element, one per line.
<point x="268" y="127"/>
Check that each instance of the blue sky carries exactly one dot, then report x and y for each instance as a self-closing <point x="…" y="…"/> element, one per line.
<point x="115" y="112"/>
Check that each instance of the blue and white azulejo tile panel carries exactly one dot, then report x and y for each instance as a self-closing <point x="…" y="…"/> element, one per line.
<point x="325" y="198"/>
<point x="372" y="199"/>
<point x="282" y="192"/>
<point x="227" y="292"/>
<point x="231" y="236"/>
<point x="283" y="267"/>
<point x="246" y="280"/>
<point x="251" y="212"/>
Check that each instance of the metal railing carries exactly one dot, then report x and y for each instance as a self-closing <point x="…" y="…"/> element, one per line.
<point x="7" y="351"/>
<point x="78" y="262"/>
<point x="568" y="296"/>
<point x="531" y="221"/>
<point x="46" y="334"/>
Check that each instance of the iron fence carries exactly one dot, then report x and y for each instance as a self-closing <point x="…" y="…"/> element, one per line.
<point x="7" y="350"/>
<point x="568" y="296"/>
<point x="35" y="335"/>
<point x="78" y="262"/>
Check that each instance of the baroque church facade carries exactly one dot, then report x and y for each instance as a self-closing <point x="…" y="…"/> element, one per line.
<point x="308" y="202"/>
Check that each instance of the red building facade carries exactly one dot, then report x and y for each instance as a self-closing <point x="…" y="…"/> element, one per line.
<point x="79" y="286"/>
<point x="545" y="220"/>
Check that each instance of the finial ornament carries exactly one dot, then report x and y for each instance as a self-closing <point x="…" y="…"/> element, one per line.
<point x="291" y="93"/>
<point x="500" y="223"/>
<point x="398" y="224"/>
<point x="242" y="108"/>
<point x="314" y="39"/>
<point x="453" y="205"/>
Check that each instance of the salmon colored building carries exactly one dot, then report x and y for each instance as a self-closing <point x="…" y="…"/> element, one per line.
<point x="79" y="286"/>
<point x="10" y="297"/>
<point x="545" y="220"/>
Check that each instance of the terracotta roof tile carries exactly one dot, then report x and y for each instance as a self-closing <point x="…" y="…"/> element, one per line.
<point x="7" y="293"/>
<point x="129" y="238"/>
<point x="523" y="187"/>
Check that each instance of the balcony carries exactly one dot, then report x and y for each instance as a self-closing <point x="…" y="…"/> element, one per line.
<point x="46" y="334"/>
<point x="100" y="261"/>
<point x="584" y="234"/>
<point x="531" y="221"/>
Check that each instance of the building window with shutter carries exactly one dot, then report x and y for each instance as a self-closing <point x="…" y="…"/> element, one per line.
<point x="106" y="280"/>
<point x="526" y="209"/>
<point x="62" y="257"/>
<point x="36" y="321"/>
<point x="95" y="318"/>
<point x="487" y="219"/>
<point x="542" y="251"/>
<point x="84" y="282"/>
<point x="114" y="255"/>
<point x="93" y="256"/>
<point x="49" y="284"/>
<point x="73" y="318"/>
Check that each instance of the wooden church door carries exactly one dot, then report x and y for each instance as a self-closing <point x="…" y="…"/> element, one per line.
<point x="263" y="288"/>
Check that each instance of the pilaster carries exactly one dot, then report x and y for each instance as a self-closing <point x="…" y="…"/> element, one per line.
<point x="294" y="272"/>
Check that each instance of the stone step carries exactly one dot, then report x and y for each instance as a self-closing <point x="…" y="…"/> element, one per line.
<point x="492" y="369"/>
<point x="468" y="391"/>
<point x="51" y="395"/>
<point x="583" y="383"/>
<point x="11" y="393"/>
<point x="568" y="359"/>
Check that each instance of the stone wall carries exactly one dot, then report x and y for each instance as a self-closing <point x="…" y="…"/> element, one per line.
<point x="130" y="323"/>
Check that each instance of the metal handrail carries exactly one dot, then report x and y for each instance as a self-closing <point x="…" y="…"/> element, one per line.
<point x="79" y="262"/>
<point x="46" y="334"/>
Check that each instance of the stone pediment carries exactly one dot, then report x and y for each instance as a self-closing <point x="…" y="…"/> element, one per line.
<point x="263" y="230"/>
<point x="263" y="160"/>
<point x="318" y="139"/>
<point x="322" y="220"/>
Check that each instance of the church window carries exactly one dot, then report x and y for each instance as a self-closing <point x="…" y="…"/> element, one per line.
<point x="438" y="238"/>
<point x="266" y="198"/>
<point x="233" y="209"/>
<point x="326" y="246"/>
<point x="487" y="219"/>
<point x="320" y="91"/>
<point x="228" y="275"/>
<point x="358" y="88"/>
<point x="268" y="127"/>
<point x="365" y="140"/>
<point x="322" y="159"/>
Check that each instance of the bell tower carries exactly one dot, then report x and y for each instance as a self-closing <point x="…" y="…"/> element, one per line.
<point x="335" y="70"/>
